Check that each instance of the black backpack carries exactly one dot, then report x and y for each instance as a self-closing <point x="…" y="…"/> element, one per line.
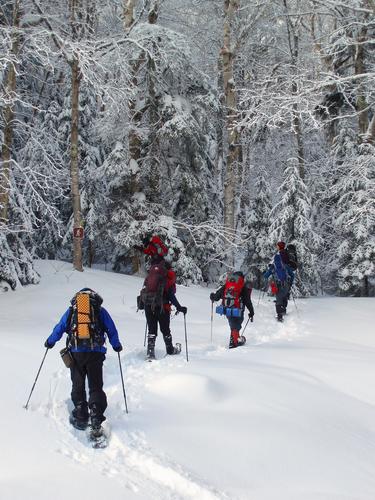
<point x="85" y="328"/>
<point x="292" y="256"/>
<point x="152" y="293"/>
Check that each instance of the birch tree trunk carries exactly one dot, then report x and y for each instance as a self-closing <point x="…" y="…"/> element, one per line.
<point x="10" y="89"/>
<point x="230" y="99"/>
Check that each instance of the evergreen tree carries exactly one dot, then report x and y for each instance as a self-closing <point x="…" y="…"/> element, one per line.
<point x="355" y="222"/>
<point x="291" y="222"/>
<point x="260" y="247"/>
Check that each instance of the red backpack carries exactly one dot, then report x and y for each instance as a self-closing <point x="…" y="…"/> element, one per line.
<point x="152" y="293"/>
<point x="233" y="289"/>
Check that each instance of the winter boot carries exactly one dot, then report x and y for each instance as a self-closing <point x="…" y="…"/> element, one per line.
<point x="96" y="416"/>
<point x="169" y="344"/>
<point x="151" y="347"/>
<point x="280" y="311"/>
<point x="234" y="336"/>
<point x="79" y="417"/>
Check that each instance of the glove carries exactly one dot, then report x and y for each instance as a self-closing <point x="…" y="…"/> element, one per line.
<point x="212" y="297"/>
<point x="118" y="348"/>
<point x="183" y="310"/>
<point x="251" y="316"/>
<point x="49" y="345"/>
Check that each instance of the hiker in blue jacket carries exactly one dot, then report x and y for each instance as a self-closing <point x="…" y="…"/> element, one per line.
<point x="283" y="277"/>
<point x="87" y="324"/>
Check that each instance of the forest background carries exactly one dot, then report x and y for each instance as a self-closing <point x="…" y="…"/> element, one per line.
<point x="223" y="126"/>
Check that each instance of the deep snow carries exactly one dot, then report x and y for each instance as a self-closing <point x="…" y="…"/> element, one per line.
<point x="288" y="416"/>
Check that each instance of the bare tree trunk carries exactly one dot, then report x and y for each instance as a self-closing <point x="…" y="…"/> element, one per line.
<point x="10" y="89"/>
<point x="129" y="6"/>
<point x="359" y="68"/>
<point x="74" y="166"/>
<point x="370" y="134"/>
<point x="74" y="136"/>
<point x="293" y="40"/>
<point x="230" y="96"/>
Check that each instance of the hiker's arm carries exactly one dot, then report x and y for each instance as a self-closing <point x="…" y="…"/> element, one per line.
<point x="215" y="296"/>
<point x="246" y="296"/>
<point x="269" y="272"/>
<point x="59" y="329"/>
<point x="173" y="299"/>
<point x="110" y="328"/>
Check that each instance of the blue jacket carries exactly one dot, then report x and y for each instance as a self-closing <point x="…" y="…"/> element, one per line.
<point x="108" y="326"/>
<point x="280" y="270"/>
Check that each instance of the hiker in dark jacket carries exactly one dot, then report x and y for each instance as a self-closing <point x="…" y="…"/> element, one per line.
<point x="88" y="354"/>
<point x="243" y="300"/>
<point x="283" y="277"/>
<point x="160" y="313"/>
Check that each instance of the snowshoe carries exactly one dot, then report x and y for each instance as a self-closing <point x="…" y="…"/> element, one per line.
<point x="150" y="357"/>
<point x="241" y="340"/>
<point x="97" y="437"/>
<point x="176" y="349"/>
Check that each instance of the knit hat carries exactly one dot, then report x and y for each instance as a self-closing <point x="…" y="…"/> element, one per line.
<point x="281" y="245"/>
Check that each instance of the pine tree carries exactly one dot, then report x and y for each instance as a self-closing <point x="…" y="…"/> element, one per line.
<point x="260" y="246"/>
<point x="355" y="222"/>
<point x="291" y="222"/>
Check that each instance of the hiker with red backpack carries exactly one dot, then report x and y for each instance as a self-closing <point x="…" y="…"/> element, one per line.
<point x="156" y="298"/>
<point x="87" y="324"/>
<point x="281" y="272"/>
<point x="235" y="295"/>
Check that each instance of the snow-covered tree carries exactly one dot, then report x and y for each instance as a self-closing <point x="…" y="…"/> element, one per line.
<point x="292" y="223"/>
<point x="355" y="222"/>
<point x="259" y="247"/>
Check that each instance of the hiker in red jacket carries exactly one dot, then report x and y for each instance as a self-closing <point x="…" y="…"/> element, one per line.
<point x="153" y="247"/>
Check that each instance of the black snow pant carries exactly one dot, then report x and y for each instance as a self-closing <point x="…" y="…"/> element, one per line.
<point x="162" y="317"/>
<point x="282" y="297"/>
<point x="90" y="365"/>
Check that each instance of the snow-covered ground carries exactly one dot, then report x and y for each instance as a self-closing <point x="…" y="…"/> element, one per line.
<point x="288" y="416"/>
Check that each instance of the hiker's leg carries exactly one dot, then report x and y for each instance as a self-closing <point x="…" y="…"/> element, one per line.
<point x="78" y="377"/>
<point x="164" y="322"/>
<point x="152" y="325"/>
<point x="235" y="327"/>
<point x="97" y="397"/>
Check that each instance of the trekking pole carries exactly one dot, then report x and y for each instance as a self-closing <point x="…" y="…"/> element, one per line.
<point x="261" y="294"/>
<point x="122" y="380"/>
<point x="186" y="343"/>
<point x="247" y="322"/>
<point x="36" y="378"/>
<point x="144" y="343"/>
<point x="212" y="318"/>
<point x="294" y="300"/>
